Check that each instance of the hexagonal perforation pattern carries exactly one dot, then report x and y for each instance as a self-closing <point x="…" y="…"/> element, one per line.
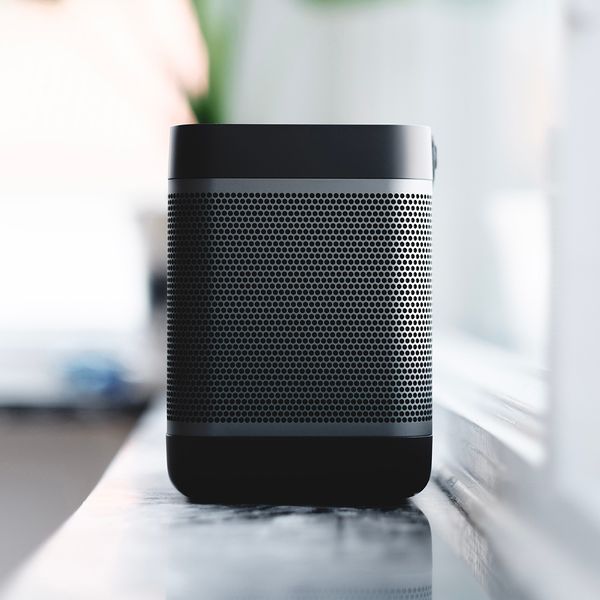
<point x="299" y="307"/>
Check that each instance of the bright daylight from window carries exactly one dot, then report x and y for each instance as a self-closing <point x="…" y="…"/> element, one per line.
<point x="371" y="347"/>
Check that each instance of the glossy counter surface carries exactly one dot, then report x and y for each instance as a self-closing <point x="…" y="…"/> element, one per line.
<point x="136" y="537"/>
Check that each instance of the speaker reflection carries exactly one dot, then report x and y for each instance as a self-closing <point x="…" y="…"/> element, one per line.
<point x="299" y="553"/>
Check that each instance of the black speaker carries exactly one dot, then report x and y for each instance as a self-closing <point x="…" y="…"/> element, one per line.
<point x="299" y="312"/>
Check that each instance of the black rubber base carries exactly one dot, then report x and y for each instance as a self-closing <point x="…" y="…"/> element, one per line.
<point x="323" y="471"/>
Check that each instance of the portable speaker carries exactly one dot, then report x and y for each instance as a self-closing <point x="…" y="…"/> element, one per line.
<point x="299" y="312"/>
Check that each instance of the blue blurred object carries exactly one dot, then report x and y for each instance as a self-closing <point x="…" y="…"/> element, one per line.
<point x="97" y="374"/>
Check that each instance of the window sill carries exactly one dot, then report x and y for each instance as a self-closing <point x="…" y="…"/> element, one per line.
<point x="491" y="460"/>
<point x="490" y="394"/>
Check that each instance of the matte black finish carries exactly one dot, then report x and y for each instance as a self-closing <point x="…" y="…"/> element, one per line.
<point x="350" y="471"/>
<point x="301" y="151"/>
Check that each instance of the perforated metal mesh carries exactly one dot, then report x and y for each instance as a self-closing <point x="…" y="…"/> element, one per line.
<point x="299" y="308"/>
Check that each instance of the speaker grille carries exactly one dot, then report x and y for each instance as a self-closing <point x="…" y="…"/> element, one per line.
<point x="299" y="307"/>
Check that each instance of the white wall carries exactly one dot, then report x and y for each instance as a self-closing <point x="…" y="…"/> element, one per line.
<point x="482" y="75"/>
<point x="576" y="292"/>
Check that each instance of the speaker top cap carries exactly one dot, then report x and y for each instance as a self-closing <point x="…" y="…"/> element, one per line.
<point x="301" y="152"/>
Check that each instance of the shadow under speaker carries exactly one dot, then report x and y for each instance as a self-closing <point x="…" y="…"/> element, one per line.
<point x="299" y="312"/>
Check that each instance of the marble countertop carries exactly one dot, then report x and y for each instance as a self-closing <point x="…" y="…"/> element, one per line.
<point x="137" y="537"/>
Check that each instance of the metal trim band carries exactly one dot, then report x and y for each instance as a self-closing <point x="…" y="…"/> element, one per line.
<point x="341" y="186"/>
<point x="300" y="429"/>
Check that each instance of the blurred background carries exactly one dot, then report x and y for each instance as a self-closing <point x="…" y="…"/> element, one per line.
<point x="88" y="92"/>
